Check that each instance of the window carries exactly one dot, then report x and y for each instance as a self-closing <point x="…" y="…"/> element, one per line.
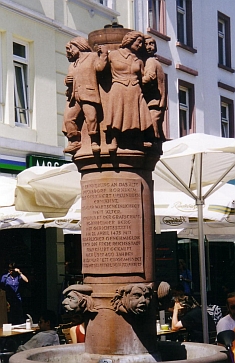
<point x="184" y="22"/>
<point x="108" y="3"/>
<point x="20" y="60"/>
<point x="156" y="15"/>
<point x="224" y="40"/>
<point x="186" y="108"/>
<point x="227" y="117"/>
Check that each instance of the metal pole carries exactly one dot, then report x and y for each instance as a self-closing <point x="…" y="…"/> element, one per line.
<point x="201" y="248"/>
<point x="207" y="244"/>
<point x="202" y="268"/>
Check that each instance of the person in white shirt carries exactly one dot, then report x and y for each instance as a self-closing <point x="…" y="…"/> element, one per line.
<point x="228" y="321"/>
<point x="47" y="334"/>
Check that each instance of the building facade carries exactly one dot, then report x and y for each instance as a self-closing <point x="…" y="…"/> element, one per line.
<point x="196" y="43"/>
<point x="196" y="48"/>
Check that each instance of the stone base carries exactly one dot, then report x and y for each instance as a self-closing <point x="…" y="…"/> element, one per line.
<point x="170" y="352"/>
<point x="130" y="358"/>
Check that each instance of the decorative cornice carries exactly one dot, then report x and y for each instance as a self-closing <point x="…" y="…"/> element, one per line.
<point x="186" y="69"/>
<point x="164" y="60"/>
<point x="226" y="86"/>
<point x="22" y="148"/>
<point x="186" y="47"/>
<point x="158" y="34"/>
<point x="31" y="14"/>
<point x="97" y="8"/>
<point x="229" y="69"/>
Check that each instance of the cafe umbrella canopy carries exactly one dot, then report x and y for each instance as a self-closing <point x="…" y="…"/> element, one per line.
<point x="49" y="190"/>
<point x="31" y="215"/>
<point x="189" y="164"/>
<point x="219" y="206"/>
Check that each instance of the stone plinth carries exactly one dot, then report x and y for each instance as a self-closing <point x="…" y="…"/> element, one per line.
<point x="117" y="247"/>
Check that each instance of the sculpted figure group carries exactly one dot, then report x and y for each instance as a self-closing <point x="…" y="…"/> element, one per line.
<point x="135" y="106"/>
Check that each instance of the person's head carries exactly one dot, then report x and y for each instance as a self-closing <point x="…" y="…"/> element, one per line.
<point x="48" y="320"/>
<point x="186" y="302"/>
<point x="231" y="304"/>
<point x="11" y="269"/>
<point x="150" y="45"/>
<point x="164" y="294"/>
<point x="69" y="55"/>
<point x="182" y="264"/>
<point x="75" y="46"/>
<point x="132" y="40"/>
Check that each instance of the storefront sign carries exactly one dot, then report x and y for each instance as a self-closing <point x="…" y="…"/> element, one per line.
<point x="37" y="160"/>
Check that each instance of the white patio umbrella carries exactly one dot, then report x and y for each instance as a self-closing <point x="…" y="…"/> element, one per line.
<point x="50" y="190"/>
<point x="7" y="191"/>
<point x="213" y="231"/>
<point x="70" y="223"/>
<point x="190" y="163"/>
<point x="219" y="206"/>
<point x="10" y="217"/>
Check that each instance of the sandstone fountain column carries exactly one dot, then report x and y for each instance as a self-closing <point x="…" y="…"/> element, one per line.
<point x="118" y="228"/>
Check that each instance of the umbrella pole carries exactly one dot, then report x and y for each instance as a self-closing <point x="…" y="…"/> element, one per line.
<point x="202" y="266"/>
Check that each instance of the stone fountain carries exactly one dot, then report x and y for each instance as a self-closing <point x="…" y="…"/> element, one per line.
<point x="115" y="144"/>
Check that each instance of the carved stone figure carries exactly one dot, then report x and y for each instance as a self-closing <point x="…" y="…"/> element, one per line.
<point x="82" y="93"/>
<point x="134" y="298"/>
<point x="127" y="109"/>
<point x="78" y="299"/>
<point x="154" y="87"/>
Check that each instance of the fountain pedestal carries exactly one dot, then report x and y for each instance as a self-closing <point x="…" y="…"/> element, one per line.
<point x="117" y="250"/>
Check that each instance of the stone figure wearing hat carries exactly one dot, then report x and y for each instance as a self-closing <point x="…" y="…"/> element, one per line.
<point x="83" y="98"/>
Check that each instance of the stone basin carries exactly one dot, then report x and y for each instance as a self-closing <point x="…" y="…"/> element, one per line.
<point x="170" y="352"/>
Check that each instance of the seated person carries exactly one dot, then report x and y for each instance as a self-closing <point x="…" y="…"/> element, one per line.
<point x="77" y="333"/>
<point x="187" y="314"/>
<point x="46" y="335"/>
<point x="228" y="321"/>
<point x="164" y="294"/>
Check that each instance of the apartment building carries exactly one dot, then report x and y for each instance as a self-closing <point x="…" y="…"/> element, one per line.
<point x="196" y="47"/>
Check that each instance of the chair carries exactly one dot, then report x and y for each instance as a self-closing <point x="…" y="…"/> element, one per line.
<point x="8" y="348"/>
<point x="63" y="331"/>
<point x="212" y="337"/>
